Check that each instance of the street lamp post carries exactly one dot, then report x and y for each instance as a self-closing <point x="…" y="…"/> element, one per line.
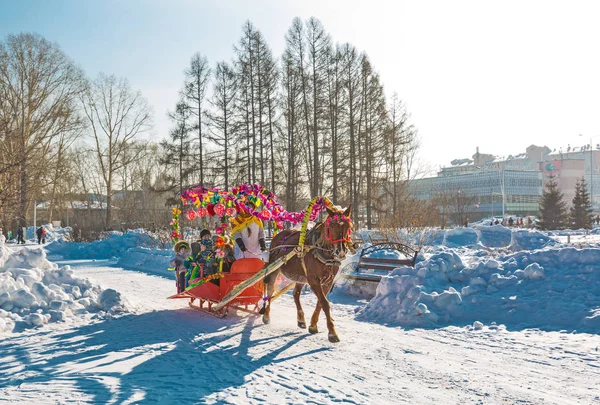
<point x="591" y="173"/>
<point x="591" y="176"/>
<point x="503" y="194"/>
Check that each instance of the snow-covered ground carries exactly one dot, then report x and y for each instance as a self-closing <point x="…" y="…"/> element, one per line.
<point x="393" y="350"/>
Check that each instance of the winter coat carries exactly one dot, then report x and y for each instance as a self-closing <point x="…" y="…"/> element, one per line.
<point x="205" y="258"/>
<point x="250" y="236"/>
<point x="179" y="262"/>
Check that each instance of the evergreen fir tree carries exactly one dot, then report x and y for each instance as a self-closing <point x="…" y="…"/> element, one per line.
<point x="553" y="210"/>
<point x="581" y="210"/>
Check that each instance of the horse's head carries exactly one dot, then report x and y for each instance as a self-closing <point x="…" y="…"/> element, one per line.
<point x="337" y="229"/>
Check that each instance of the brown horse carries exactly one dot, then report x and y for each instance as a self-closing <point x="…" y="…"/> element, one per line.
<point x="325" y="248"/>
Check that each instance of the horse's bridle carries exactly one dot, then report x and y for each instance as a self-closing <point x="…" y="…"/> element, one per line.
<point x="344" y="240"/>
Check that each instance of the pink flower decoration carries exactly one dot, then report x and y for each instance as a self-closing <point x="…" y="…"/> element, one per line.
<point x="191" y="215"/>
<point x="202" y="212"/>
<point x="219" y="209"/>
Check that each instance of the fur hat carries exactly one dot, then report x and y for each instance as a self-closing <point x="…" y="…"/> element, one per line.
<point x="181" y="244"/>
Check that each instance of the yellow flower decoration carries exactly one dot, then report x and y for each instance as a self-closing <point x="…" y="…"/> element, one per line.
<point x="176" y="211"/>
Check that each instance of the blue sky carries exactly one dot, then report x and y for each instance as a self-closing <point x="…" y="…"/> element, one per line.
<point x="498" y="75"/>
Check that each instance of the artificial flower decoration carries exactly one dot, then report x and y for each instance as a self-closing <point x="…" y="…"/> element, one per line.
<point x="190" y="215"/>
<point x="219" y="209"/>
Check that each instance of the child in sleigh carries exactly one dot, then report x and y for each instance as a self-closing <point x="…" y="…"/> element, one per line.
<point x="182" y="254"/>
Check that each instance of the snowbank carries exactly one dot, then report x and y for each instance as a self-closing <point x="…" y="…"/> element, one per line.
<point x="524" y="239"/>
<point x="552" y="289"/>
<point x="483" y="236"/>
<point x="35" y="291"/>
<point x="153" y="261"/>
<point x="494" y="236"/>
<point x="115" y="245"/>
<point x="460" y="237"/>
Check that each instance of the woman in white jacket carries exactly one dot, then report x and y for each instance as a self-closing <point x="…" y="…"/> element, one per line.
<point x="249" y="234"/>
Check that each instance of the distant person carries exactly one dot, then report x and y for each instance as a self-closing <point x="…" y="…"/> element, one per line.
<point x="511" y="221"/>
<point x="38" y="232"/>
<point x="492" y="222"/>
<point x="496" y="222"/>
<point x="466" y="222"/>
<point x="20" y="235"/>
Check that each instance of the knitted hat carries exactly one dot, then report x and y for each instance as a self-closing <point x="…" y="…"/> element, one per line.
<point x="181" y="244"/>
<point x="204" y="232"/>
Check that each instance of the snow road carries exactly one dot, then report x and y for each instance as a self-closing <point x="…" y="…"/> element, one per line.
<point x="164" y="352"/>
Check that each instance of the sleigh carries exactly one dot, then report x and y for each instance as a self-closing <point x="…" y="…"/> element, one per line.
<point x="241" y="288"/>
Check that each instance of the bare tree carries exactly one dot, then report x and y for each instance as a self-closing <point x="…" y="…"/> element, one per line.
<point x="221" y="121"/>
<point x="39" y="86"/>
<point x="117" y="115"/>
<point x="196" y="80"/>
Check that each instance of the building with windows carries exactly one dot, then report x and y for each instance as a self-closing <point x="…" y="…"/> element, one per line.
<point x="487" y="185"/>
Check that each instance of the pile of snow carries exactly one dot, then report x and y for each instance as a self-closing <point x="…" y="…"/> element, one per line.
<point x="153" y="261"/>
<point x="35" y="291"/>
<point x="478" y="236"/>
<point x="115" y="245"/>
<point x="52" y="233"/>
<point x="524" y="239"/>
<point x="458" y="237"/>
<point x="494" y="236"/>
<point x="553" y="289"/>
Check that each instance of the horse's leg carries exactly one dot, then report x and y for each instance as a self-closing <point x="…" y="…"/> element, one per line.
<point x="317" y="288"/>
<point x="315" y="316"/>
<point x="314" y="319"/>
<point x="270" y="282"/>
<point x="300" y="312"/>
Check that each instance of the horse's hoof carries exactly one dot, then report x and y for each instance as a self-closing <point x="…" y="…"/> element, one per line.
<point x="313" y="329"/>
<point x="302" y="325"/>
<point x="334" y="338"/>
<point x="266" y="320"/>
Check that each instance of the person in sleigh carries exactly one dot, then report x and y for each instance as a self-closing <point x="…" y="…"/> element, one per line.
<point x="203" y="263"/>
<point x="249" y="234"/>
<point x="182" y="254"/>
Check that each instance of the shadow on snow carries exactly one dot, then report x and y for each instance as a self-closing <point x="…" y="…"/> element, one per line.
<point x="155" y="357"/>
